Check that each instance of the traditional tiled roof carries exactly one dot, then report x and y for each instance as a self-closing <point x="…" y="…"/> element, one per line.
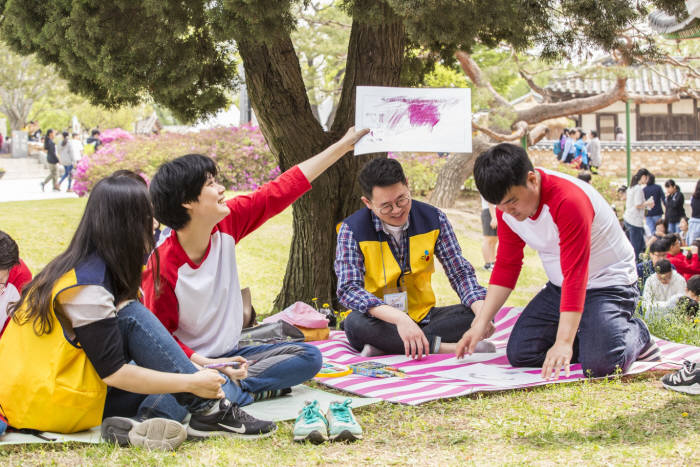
<point x="659" y="80"/>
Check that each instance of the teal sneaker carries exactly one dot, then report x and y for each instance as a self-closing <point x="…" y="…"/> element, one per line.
<point x="342" y="425"/>
<point x="311" y="425"/>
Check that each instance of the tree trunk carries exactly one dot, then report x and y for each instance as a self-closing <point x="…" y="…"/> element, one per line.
<point x="457" y="169"/>
<point x="277" y="93"/>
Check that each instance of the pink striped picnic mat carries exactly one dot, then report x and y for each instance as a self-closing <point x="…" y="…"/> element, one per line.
<point x="443" y="376"/>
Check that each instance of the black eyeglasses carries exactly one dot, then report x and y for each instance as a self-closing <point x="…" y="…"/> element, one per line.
<point x="401" y="202"/>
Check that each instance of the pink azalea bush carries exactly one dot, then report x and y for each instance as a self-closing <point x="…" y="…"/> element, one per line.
<point x="113" y="134"/>
<point x="244" y="160"/>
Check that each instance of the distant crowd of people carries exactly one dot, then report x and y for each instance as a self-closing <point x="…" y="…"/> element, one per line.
<point x="579" y="148"/>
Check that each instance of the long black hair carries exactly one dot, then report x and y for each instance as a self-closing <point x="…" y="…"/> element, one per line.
<point x="117" y="225"/>
<point x="696" y="194"/>
<point x="65" y="138"/>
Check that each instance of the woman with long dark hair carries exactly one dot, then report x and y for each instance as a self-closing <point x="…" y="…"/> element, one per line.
<point x="694" y="221"/>
<point x="64" y="356"/>
<point x="634" y="211"/>
<point x="675" y="208"/>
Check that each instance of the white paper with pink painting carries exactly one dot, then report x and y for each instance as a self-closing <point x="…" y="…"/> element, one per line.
<point x="413" y="119"/>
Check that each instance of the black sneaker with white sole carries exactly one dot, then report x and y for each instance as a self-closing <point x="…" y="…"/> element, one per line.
<point x="686" y="380"/>
<point x="152" y="433"/>
<point x="229" y="420"/>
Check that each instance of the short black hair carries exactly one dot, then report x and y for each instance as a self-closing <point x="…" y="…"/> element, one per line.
<point x="500" y="168"/>
<point x="663" y="266"/>
<point x="693" y="284"/>
<point x="594" y="133"/>
<point x="585" y="176"/>
<point x="94" y="132"/>
<point x="9" y="251"/>
<point x="380" y="172"/>
<point x="660" y="246"/>
<point x="177" y="182"/>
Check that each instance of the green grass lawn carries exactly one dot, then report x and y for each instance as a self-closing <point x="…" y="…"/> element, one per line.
<point x="631" y="421"/>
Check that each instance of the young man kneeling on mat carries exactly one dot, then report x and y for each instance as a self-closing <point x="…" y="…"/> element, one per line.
<point x="584" y="313"/>
<point x="384" y="261"/>
<point x="199" y="298"/>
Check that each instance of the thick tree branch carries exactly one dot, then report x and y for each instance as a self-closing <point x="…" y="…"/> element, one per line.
<point x="476" y="76"/>
<point x="542" y="112"/>
<point x="519" y="127"/>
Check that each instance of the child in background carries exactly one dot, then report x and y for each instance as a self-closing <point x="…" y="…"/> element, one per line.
<point x="14" y="274"/>
<point x="659" y="231"/>
<point x="686" y="264"/>
<point x="662" y="290"/>
<point x="683" y="232"/>
<point x="657" y="251"/>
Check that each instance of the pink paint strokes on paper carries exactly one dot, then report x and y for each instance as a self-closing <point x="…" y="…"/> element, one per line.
<point x="420" y="112"/>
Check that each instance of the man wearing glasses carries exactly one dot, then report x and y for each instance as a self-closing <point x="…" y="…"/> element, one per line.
<point x="384" y="261"/>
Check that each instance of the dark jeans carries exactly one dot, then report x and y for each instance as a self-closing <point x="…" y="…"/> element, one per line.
<point x="608" y="336"/>
<point x="636" y="237"/>
<point x="148" y="344"/>
<point x="275" y="366"/>
<point x="449" y="323"/>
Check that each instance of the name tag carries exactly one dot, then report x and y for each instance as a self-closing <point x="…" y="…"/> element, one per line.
<point x="398" y="300"/>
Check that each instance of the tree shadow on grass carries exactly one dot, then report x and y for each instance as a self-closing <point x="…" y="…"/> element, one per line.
<point x="641" y="428"/>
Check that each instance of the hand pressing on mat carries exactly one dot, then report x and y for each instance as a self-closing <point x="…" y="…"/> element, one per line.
<point x="481" y="328"/>
<point x="558" y="358"/>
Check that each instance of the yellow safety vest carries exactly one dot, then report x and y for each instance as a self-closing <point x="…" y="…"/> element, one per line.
<point x="380" y="262"/>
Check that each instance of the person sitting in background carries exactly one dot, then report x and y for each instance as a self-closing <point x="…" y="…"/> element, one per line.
<point x="657" y="251"/>
<point x="675" y="208"/>
<point x="683" y="231"/>
<point x="658" y="232"/>
<point x="654" y="191"/>
<point x="686" y="264"/>
<point x="14" y="274"/>
<point x="594" y="157"/>
<point x="662" y="290"/>
<point x="688" y="304"/>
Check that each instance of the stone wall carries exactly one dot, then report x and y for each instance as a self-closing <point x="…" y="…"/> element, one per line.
<point x="662" y="163"/>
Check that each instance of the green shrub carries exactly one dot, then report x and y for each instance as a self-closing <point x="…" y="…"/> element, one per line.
<point x="421" y="170"/>
<point x="244" y="160"/>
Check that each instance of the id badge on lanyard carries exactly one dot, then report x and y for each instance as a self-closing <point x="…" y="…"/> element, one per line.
<point x="396" y="298"/>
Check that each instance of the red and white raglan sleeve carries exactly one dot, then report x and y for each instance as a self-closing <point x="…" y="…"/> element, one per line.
<point x="509" y="256"/>
<point x="19" y="275"/>
<point x="162" y="303"/>
<point x="250" y="211"/>
<point x="573" y="216"/>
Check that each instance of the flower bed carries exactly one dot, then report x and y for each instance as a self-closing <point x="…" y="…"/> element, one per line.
<point x="244" y="160"/>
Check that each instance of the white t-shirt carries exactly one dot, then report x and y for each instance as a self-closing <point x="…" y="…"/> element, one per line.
<point x="634" y="215"/>
<point x="77" y="147"/>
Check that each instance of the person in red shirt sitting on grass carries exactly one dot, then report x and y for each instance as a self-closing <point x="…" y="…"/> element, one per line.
<point x="584" y="313"/>
<point x="687" y="264"/>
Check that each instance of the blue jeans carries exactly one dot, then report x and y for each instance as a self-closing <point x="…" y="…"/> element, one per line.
<point x="275" y="366"/>
<point x="651" y="224"/>
<point x="636" y="237"/>
<point x="608" y="336"/>
<point x="148" y="344"/>
<point x="693" y="229"/>
<point x="68" y="172"/>
<point x="674" y="227"/>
